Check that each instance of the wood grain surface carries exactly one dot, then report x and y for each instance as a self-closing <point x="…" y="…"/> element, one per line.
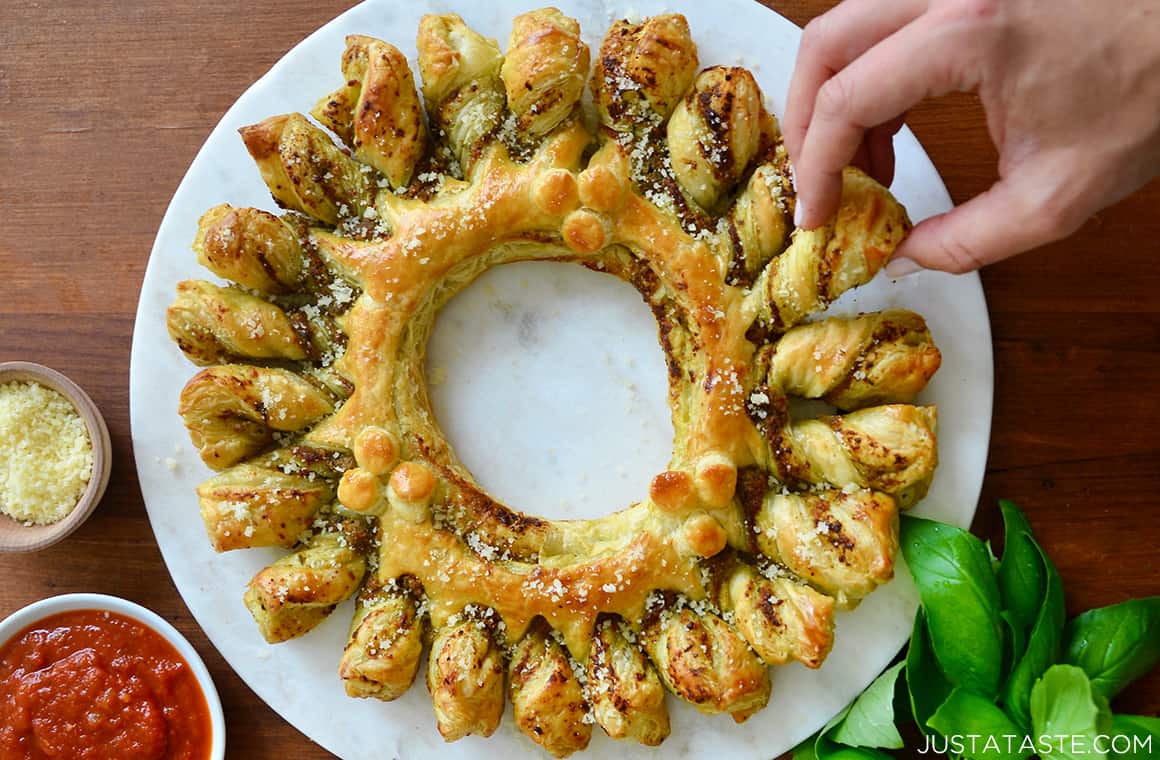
<point x="103" y="106"/>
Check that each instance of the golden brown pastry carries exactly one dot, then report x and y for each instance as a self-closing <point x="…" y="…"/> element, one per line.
<point x="891" y="449"/>
<point x="465" y="677"/>
<point x="715" y="132"/>
<point x="841" y="541"/>
<point x="704" y="661"/>
<point x="386" y="644"/>
<point x="547" y="697"/>
<point x="252" y="505"/>
<point x="761" y="524"/>
<point x="878" y="358"/>
<point x="252" y="247"/>
<point x="377" y="112"/>
<point x="643" y="71"/>
<point x="888" y="448"/>
<point x="232" y="411"/>
<point x="306" y="171"/>
<point x="627" y="697"/>
<point x="781" y="618"/>
<point x="821" y="264"/>
<point x="296" y="593"/>
<point x="212" y="324"/>
<point x="758" y="225"/>
<point x="461" y="84"/>
<point x="544" y="70"/>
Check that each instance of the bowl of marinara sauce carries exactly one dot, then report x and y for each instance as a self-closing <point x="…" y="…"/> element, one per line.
<point x="90" y="676"/>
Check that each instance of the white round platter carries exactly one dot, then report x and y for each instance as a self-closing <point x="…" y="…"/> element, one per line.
<point x="548" y="366"/>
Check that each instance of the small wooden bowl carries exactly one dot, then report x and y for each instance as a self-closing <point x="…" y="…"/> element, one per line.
<point x="17" y="537"/>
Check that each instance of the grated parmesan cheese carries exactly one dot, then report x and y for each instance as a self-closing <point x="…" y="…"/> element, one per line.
<point x="46" y="457"/>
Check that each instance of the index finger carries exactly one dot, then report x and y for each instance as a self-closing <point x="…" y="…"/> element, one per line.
<point x="828" y="44"/>
<point x="872" y="90"/>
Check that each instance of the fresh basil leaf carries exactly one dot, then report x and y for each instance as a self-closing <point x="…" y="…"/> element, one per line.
<point x="1015" y="642"/>
<point x="1067" y="715"/>
<point x="806" y="750"/>
<point x="1134" y="737"/>
<point x="1142" y="723"/>
<point x="988" y="733"/>
<point x="1020" y="575"/>
<point x="1115" y="645"/>
<point x="869" y="722"/>
<point x="1044" y="642"/>
<point x="926" y="684"/>
<point x="818" y="744"/>
<point x="961" y="599"/>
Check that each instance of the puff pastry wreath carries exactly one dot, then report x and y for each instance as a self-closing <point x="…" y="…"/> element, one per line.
<point x="313" y="405"/>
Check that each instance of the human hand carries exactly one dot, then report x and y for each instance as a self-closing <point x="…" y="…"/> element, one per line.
<point x="1071" y="89"/>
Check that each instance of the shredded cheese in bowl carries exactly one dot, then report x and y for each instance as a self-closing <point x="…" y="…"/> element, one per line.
<point x="46" y="456"/>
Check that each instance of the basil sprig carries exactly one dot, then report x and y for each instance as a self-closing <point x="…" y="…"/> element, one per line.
<point x="960" y="594"/>
<point x="992" y="657"/>
<point x="1116" y="645"/>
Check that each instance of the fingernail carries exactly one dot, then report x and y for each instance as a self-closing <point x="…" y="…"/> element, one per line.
<point x="798" y="213"/>
<point x="901" y="267"/>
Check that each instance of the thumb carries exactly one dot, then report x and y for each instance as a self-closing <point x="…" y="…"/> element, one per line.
<point x="1007" y="219"/>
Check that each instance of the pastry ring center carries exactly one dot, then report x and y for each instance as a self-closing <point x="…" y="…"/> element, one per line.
<point x="563" y="366"/>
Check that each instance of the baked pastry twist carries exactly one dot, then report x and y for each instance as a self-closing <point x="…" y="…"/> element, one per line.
<point x="314" y="409"/>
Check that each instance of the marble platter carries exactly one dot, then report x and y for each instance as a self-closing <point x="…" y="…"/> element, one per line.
<point x="578" y="348"/>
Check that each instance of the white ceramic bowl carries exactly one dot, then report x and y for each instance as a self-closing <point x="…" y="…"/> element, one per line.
<point x="30" y="615"/>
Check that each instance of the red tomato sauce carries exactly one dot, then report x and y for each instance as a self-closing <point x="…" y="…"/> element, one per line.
<point x="93" y="684"/>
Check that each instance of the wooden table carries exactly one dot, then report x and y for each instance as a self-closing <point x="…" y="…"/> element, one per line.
<point x="103" y="106"/>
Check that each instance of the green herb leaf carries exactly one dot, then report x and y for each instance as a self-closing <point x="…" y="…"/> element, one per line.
<point x="925" y="682"/>
<point x="1067" y="715"/>
<point x="1134" y="737"/>
<point x="1014" y="643"/>
<point x="1044" y="642"/>
<point x="870" y="720"/>
<point x="1115" y="645"/>
<point x="1020" y="575"/>
<point x="992" y="735"/>
<point x="806" y="750"/>
<point x="961" y="598"/>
